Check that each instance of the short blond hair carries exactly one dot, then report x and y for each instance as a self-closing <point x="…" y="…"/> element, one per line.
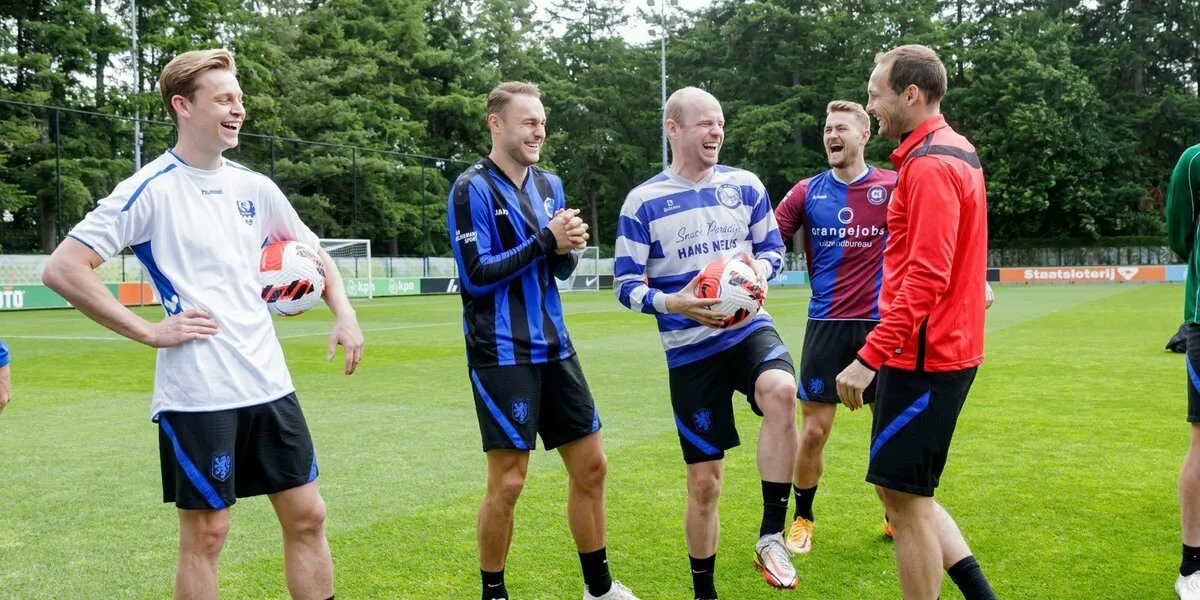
<point x="502" y="95"/>
<point x="179" y="77"/>
<point x="854" y="108"/>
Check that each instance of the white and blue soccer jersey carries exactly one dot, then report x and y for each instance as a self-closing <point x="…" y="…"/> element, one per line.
<point x="199" y="236"/>
<point x="670" y="228"/>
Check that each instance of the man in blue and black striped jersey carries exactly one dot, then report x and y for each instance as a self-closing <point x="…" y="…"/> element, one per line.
<point x="670" y="227"/>
<point x="512" y="235"/>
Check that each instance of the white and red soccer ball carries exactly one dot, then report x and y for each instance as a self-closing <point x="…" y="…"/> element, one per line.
<point x="292" y="278"/>
<point x="735" y="284"/>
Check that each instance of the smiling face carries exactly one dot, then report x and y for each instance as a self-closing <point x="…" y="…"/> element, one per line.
<point x="845" y="139"/>
<point x="888" y="107"/>
<point x="519" y="129"/>
<point x="699" y="132"/>
<point x="214" y="115"/>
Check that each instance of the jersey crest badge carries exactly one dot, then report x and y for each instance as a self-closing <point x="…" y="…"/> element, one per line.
<point x="876" y="195"/>
<point x="246" y="209"/>
<point x="729" y="196"/>
<point x="703" y="420"/>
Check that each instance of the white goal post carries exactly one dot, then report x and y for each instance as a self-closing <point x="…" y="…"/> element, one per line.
<point x="353" y="258"/>
<point x="587" y="273"/>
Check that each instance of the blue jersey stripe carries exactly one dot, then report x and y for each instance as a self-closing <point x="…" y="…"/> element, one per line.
<point x="194" y="475"/>
<point x="629" y="228"/>
<point x="166" y="291"/>
<point x="627" y="266"/>
<point x="675" y="323"/>
<point x="710" y="346"/>
<point x="138" y="192"/>
<point x="312" y="471"/>
<point x="673" y="283"/>
<point x="531" y="286"/>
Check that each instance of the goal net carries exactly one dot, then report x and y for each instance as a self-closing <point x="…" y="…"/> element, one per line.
<point x="587" y="273"/>
<point x="353" y="259"/>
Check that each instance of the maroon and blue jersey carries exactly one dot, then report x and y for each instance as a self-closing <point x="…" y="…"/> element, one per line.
<point x="845" y="229"/>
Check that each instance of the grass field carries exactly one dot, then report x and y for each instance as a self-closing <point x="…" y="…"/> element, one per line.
<point x="1062" y="473"/>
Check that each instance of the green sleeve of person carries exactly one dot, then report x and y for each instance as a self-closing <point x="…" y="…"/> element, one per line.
<point x="1183" y="201"/>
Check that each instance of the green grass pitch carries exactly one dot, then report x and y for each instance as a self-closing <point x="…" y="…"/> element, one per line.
<point x="1062" y="473"/>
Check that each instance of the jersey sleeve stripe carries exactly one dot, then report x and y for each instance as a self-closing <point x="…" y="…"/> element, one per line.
<point x="138" y="192"/>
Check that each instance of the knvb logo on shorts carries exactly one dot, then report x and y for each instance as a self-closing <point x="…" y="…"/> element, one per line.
<point x="520" y="410"/>
<point x="703" y="420"/>
<point x="816" y="385"/>
<point x="729" y="196"/>
<point x="222" y="466"/>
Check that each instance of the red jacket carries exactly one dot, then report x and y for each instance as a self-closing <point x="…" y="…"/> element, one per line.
<point x="934" y="267"/>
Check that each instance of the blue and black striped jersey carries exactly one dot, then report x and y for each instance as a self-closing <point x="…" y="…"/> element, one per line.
<point x="512" y="313"/>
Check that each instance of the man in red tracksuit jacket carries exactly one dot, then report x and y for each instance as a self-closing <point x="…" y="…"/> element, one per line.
<point x="929" y="341"/>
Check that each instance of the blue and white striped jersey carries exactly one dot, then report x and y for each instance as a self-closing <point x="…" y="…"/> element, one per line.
<point x="670" y="228"/>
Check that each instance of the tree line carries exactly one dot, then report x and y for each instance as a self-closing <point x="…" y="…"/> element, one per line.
<point x="1079" y="109"/>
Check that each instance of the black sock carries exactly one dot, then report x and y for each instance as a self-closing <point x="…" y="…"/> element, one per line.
<point x="595" y="571"/>
<point x="702" y="577"/>
<point x="804" y="501"/>
<point x="493" y="585"/>
<point x="969" y="578"/>
<point x="775" y="501"/>
<point x="1191" y="560"/>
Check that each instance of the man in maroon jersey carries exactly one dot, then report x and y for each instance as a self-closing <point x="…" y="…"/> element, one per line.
<point x="842" y="216"/>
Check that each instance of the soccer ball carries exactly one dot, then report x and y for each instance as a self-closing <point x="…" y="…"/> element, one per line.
<point x="292" y="278"/>
<point x="735" y="284"/>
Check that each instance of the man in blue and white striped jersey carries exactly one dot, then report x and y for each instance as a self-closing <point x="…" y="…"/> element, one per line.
<point x="671" y="227"/>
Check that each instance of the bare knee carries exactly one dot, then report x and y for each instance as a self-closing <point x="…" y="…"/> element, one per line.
<point x="203" y="532"/>
<point x="308" y="521"/>
<point x="591" y="474"/>
<point x="505" y="488"/>
<point x="704" y="488"/>
<point x="814" y="433"/>
<point x="905" y="508"/>
<point x="775" y="394"/>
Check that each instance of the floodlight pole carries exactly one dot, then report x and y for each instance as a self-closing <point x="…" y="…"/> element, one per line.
<point x="662" y="23"/>
<point x="137" y="88"/>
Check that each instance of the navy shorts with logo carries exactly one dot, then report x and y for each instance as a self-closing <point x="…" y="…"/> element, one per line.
<point x="210" y="459"/>
<point x="829" y="347"/>
<point x="517" y="403"/>
<point x="702" y="392"/>
<point x="913" y="422"/>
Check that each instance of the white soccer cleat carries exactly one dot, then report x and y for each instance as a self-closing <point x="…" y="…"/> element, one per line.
<point x="616" y="592"/>
<point x="1188" y="587"/>
<point x="775" y="562"/>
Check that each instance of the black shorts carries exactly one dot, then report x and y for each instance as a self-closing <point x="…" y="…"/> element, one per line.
<point x="829" y="347"/>
<point x="702" y="393"/>
<point x="1193" y="372"/>
<point x="210" y="459"/>
<point x="519" y="402"/>
<point x="915" y="415"/>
